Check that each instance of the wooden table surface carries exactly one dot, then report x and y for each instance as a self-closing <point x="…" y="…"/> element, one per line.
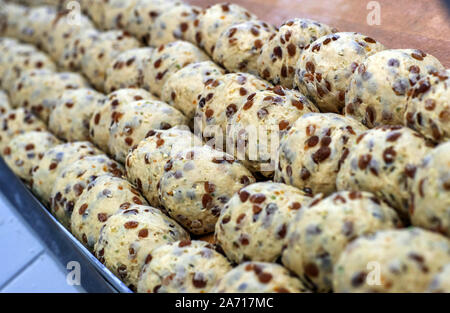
<point x="422" y="24"/>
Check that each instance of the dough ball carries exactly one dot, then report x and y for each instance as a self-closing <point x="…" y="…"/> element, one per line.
<point x="403" y="260"/>
<point x="196" y="185"/>
<point x="325" y="67"/>
<point x="254" y="223"/>
<point x="319" y="233"/>
<point x="312" y="151"/>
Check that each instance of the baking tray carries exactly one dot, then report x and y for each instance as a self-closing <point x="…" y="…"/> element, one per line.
<point x="95" y="277"/>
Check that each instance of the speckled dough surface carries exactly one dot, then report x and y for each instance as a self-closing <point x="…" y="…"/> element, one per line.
<point x="196" y="185"/>
<point x="222" y="97"/>
<point x="254" y="223"/>
<point x="183" y="267"/>
<point x="325" y="67"/>
<point x="267" y="114"/>
<point x="441" y="281"/>
<point x="168" y="59"/>
<point x="36" y="23"/>
<point x="259" y="277"/>
<point x="383" y="161"/>
<point x="145" y="164"/>
<point x="70" y="117"/>
<point x="104" y="116"/>
<point x="53" y="162"/>
<point x="430" y="191"/>
<point x="239" y="46"/>
<point x="143" y="16"/>
<point x="391" y="261"/>
<point x="182" y="89"/>
<point x="24" y="151"/>
<point x="175" y="23"/>
<point x="17" y="122"/>
<point x="38" y="90"/>
<point x="102" y="198"/>
<point x="127" y="69"/>
<point x="378" y="89"/>
<point x="4" y="103"/>
<point x="62" y="33"/>
<point x="279" y="54"/>
<point x="311" y="153"/>
<point x="102" y="52"/>
<point x="319" y="233"/>
<point x="213" y="20"/>
<point x="129" y="237"/>
<point x="137" y="120"/>
<point x="428" y="107"/>
<point x="71" y="182"/>
<point x="21" y="59"/>
<point x="76" y="47"/>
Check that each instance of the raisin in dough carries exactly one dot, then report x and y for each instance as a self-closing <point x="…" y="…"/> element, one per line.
<point x="383" y="161"/>
<point x="176" y="23"/>
<point x="103" y="117"/>
<point x="70" y="117"/>
<point x="406" y="260"/>
<point x="318" y="234"/>
<point x="102" y="52"/>
<point x="215" y="19"/>
<point x="267" y="114"/>
<point x="311" y="153"/>
<point x="63" y="31"/>
<point x="145" y="12"/>
<point x="20" y="61"/>
<point x="430" y="191"/>
<point x="196" y="185"/>
<point x="379" y="87"/>
<point x="182" y="89"/>
<point x="145" y="164"/>
<point x="239" y="46"/>
<point x="4" y="103"/>
<point x="183" y="267"/>
<point x="103" y="198"/>
<point x="25" y="151"/>
<point x="279" y="54"/>
<point x="259" y="277"/>
<point x="127" y="69"/>
<point x="39" y="90"/>
<point x="441" y="281"/>
<point x="254" y="223"/>
<point x="137" y="120"/>
<point x="167" y="60"/>
<point x="128" y="238"/>
<point x="222" y="97"/>
<point x="17" y="122"/>
<point x="428" y="107"/>
<point x="53" y="162"/>
<point x="71" y="182"/>
<point x="325" y="67"/>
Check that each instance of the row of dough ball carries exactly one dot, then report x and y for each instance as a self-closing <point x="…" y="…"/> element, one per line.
<point x="430" y="251"/>
<point x="98" y="206"/>
<point x="307" y="50"/>
<point x="414" y="56"/>
<point x="319" y="78"/>
<point x="87" y="193"/>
